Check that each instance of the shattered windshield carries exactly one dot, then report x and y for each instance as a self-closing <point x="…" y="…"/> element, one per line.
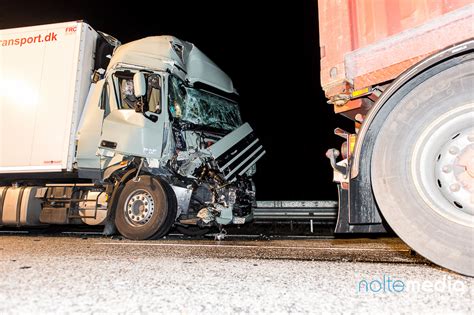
<point x="202" y="108"/>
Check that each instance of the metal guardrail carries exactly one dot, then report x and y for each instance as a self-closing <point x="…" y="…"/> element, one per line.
<point x="320" y="210"/>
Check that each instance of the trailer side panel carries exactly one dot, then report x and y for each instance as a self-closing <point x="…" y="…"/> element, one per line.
<point x="356" y="36"/>
<point x="45" y="75"/>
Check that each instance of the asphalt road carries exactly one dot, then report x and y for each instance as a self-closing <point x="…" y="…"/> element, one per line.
<point x="74" y="274"/>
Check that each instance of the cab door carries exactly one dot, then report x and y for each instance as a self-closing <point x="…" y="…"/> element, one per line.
<point x="126" y="132"/>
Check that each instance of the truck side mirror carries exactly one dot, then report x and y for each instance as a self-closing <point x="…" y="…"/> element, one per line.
<point x="139" y="84"/>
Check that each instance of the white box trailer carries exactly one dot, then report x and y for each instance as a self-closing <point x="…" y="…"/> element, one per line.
<point x="45" y="75"/>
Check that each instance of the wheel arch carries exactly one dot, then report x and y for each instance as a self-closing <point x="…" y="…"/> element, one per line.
<point x="362" y="207"/>
<point x="442" y="56"/>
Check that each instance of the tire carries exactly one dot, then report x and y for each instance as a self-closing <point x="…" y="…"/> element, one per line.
<point x="417" y="174"/>
<point x="146" y="209"/>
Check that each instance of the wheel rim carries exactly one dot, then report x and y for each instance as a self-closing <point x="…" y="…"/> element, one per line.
<point x="455" y="170"/>
<point x="443" y="167"/>
<point x="139" y="207"/>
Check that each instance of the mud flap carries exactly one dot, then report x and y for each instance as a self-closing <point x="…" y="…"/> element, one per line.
<point x="343" y="225"/>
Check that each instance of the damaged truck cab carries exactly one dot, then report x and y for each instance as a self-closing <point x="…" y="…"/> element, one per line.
<point x="160" y="142"/>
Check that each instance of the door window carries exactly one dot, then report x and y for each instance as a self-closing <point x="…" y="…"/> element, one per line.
<point x="126" y="95"/>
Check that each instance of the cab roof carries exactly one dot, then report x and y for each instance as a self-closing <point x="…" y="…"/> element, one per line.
<point x="170" y="53"/>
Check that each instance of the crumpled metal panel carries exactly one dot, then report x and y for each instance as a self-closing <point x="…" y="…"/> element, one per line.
<point x="237" y="152"/>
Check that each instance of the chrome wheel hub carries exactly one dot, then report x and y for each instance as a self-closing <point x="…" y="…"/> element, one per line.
<point x="442" y="165"/>
<point x="139" y="207"/>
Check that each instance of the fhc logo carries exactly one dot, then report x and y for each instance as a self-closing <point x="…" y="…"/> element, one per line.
<point x="71" y="29"/>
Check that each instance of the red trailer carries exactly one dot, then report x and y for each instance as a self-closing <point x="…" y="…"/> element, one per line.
<point x="403" y="71"/>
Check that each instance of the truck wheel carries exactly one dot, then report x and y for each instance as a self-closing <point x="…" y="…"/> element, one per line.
<point x="423" y="165"/>
<point x="146" y="209"/>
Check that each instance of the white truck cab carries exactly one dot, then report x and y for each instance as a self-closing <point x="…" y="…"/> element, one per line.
<point x="140" y="136"/>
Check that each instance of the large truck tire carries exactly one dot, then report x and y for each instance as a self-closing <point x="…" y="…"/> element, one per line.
<point x="146" y="209"/>
<point x="423" y="165"/>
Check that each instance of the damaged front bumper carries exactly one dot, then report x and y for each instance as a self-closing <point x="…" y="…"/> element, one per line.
<point x="222" y="191"/>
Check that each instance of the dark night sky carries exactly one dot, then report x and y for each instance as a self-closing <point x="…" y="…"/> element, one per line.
<point x="271" y="51"/>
